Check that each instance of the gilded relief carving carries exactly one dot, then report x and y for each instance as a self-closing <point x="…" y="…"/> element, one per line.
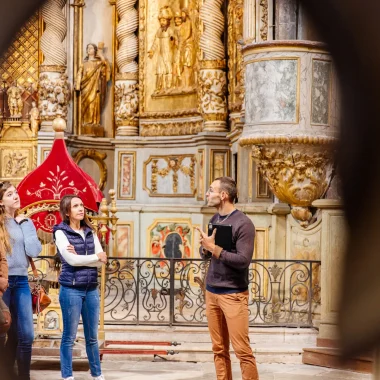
<point x="168" y="59"/>
<point x="54" y="95"/>
<point x="15" y="163"/>
<point x="213" y="85"/>
<point x="126" y="104"/>
<point x="172" y="129"/>
<point x="170" y="176"/>
<point x="235" y="61"/>
<point x="173" y="47"/>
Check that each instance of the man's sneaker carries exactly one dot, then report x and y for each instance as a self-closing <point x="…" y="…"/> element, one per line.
<point x="101" y="377"/>
<point x="69" y="378"/>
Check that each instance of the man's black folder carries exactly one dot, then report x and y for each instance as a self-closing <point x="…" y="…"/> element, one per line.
<point x="223" y="237"/>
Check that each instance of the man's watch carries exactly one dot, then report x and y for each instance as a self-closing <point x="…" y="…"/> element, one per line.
<point x="22" y="221"/>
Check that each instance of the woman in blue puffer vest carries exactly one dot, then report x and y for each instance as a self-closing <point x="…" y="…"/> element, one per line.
<point x="81" y="254"/>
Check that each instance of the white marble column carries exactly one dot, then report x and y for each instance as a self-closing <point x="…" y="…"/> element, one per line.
<point x="332" y="255"/>
<point x="54" y="91"/>
<point x="126" y="89"/>
<point x="212" y="77"/>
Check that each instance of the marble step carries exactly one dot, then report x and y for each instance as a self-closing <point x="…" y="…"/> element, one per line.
<point x="330" y="358"/>
<point x="275" y="335"/>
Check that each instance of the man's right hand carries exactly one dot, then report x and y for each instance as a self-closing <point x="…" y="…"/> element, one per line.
<point x="102" y="256"/>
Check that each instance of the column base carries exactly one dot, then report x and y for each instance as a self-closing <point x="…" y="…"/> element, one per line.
<point x="127" y="130"/>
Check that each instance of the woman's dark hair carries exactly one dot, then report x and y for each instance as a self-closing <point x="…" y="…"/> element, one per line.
<point x="95" y="48"/>
<point x="65" y="210"/>
<point x="228" y="184"/>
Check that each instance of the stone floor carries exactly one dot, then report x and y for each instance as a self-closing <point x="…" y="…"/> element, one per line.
<point x="161" y="370"/>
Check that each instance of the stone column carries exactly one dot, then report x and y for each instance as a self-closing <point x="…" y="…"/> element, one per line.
<point x="54" y="91"/>
<point x="126" y="88"/>
<point x="286" y="20"/>
<point x="249" y="21"/>
<point x="332" y="255"/>
<point x="212" y="76"/>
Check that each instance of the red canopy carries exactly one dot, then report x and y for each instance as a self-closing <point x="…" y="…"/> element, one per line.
<point x="41" y="190"/>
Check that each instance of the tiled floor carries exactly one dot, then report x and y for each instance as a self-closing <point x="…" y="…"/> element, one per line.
<point x="146" y="370"/>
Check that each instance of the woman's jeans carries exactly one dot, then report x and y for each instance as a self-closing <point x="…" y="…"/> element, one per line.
<point x="74" y="303"/>
<point x="21" y="333"/>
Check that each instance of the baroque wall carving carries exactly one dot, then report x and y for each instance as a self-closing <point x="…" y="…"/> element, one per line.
<point x="235" y="58"/>
<point x="54" y="95"/>
<point x="170" y="176"/>
<point x="172" y="128"/>
<point x="297" y="175"/>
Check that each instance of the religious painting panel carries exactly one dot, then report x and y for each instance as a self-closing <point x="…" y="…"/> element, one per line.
<point x="201" y="175"/>
<point x="127" y="175"/>
<point x="124" y="239"/>
<point x="170" y="176"/>
<point x="321" y="91"/>
<point x="275" y="96"/>
<point x="219" y="163"/>
<point x="168" y="35"/>
<point x="170" y="239"/>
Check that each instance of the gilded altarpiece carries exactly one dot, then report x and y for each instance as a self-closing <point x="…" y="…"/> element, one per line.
<point x="18" y="94"/>
<point x="169" y="65"/>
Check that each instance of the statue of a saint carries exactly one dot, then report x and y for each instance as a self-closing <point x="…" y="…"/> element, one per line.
<point x="91" y="81"/>
<point x="15" y="102"/>
<point x="34" y="119"/>
<point x="163" y="45"/>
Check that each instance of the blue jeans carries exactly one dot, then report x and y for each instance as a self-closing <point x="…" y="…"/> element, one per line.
<point x="21" y="333"/>
<point x="74" y="303"/>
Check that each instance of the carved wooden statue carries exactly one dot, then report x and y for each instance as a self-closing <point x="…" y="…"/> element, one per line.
<point x="91" y="81"/>
<point x="34" y="119"/>
<point x="15" y="102"/>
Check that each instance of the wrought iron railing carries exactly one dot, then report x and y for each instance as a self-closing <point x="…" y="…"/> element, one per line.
<point x="172" y="291"/>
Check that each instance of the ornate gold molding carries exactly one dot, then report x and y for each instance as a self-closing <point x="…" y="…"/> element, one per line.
<point x="52" y="69"/>
<point x="213" y="64"/>
<point x="235" y="58"/>
<point x="172" y="128"/>
<point x="171" y="114"/>
<point x="309" y="140"/>
<point x="126" y="76"/>
<point x="99" y="158"/>
<point x="286" y="45"/>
